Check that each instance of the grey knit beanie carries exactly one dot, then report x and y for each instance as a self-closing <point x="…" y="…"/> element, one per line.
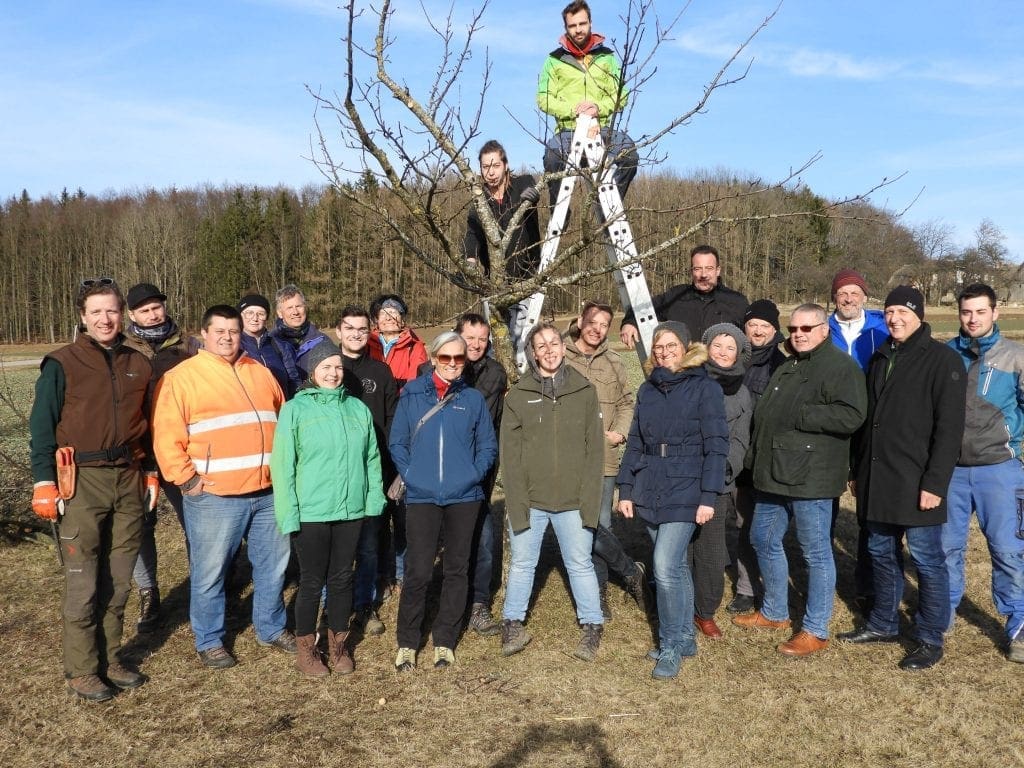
<point x="317" y="354"/>
<point x="742" y="342"/>
<point x="677" y="328"/>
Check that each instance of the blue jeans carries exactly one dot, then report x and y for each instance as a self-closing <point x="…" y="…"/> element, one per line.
<point x="617" y="145"/>
<point x="575" y="543"/>
<point x="996" y="493"/>
<point x="215" y="526"/>
<point x="365" y="582"/>
<point x="674" y="584"/>
<point x="924" y="543"/>
<point x="813" y="523"/>
<point x="483" y="557"/>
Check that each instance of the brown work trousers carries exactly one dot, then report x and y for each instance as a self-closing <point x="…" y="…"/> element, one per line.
<point x="99" y="535"/>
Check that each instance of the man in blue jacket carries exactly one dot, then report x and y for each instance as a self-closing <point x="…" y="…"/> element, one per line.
<point x="989" y="477"/>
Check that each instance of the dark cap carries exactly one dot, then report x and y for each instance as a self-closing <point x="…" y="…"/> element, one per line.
<point x="763" y="309"/>
<point x="143" y="292"/>
<point x="906" y="296"/>
<point x="680" y="330"/>
<point x="254" y="300"/>
<point x="317" y="354"/>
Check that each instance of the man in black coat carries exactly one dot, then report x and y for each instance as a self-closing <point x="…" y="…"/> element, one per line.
<point x="699" y="305"/>
<point x="372" y="382"/>
<point x="904" y="461"/>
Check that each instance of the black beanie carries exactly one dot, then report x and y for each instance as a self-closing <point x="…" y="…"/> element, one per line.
<point x="763" y="309"/>
<point x="254" y="300"/>
<point x="906" y="296"/>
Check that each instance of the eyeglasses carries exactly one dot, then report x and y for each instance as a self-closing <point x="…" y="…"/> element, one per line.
<point x="346" y="328"/>
<point x="660" y="349"/>
<point x="802" y="328"/>
<point x="91" y="282"/>
<point x="451" y="359"/>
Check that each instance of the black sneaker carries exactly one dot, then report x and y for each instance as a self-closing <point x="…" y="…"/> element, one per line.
<point x="741" y="604"/>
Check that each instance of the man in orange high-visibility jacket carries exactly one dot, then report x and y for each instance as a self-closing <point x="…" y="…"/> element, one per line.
<point x="213" y="429"/>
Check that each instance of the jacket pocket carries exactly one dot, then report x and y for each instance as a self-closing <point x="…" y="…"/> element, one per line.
<point x="791" y="458"/>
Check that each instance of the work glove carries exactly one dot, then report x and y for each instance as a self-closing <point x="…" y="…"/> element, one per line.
<point x="530" y="194"/>
<point x="150" y="491"/>
<point x="46" y="502"/>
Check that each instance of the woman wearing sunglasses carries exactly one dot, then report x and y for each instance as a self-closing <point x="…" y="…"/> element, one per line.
<point x="442" y="443"/>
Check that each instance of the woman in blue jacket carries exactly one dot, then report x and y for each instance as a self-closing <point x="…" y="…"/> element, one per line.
<point x="671" y="474"/>
<point x="443" y="461"/>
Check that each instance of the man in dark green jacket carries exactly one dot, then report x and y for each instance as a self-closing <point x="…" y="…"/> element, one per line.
<point x="799" y="457"/>
<point x="552" y="452"/>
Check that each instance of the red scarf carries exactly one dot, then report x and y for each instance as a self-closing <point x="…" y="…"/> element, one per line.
<point x="441" y="386"/>
<point x="594" y="41"/>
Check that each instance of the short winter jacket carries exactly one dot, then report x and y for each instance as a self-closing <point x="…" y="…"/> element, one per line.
<point x="678" y="444"/>
<point x="325" y="464"/>
<point x="266" y="350"/>
<point x="606" y="371"/>
<point x="552" y="447"/>
<point x="404" y="357"/>
<point x="994" y="424"/>
<point x="872" y="335"/>
<point x="803" y="423"/>
<point x="911" y="439"/>
<point x="449" y="457"/>
<point x="292" y="348"/>
<point x="565" y="81"/>
<point x="698" y="311"/>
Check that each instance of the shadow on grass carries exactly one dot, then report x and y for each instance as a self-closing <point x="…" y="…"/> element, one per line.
<point x="553" y="740"/>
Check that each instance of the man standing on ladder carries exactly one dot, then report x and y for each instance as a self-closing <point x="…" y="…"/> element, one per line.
<point x="583" y="77"/>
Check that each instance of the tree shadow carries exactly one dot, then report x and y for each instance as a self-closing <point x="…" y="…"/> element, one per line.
<point x="555" y="739"/>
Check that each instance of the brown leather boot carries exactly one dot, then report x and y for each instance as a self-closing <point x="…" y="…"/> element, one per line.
<point x="308" y="660"/>
<point x="340" y="656"/>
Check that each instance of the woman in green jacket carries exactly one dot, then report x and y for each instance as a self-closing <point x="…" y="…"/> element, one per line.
<point x="326" y="472"/>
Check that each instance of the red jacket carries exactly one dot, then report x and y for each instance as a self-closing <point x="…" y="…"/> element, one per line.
<point x="404" y="358"/>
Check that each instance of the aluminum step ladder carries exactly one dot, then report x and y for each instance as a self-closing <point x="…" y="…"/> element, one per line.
<point x="629" y="278"/>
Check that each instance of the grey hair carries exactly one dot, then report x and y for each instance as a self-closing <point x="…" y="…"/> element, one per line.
<point x="286" y="292"/>
<point x="445" y="338"/>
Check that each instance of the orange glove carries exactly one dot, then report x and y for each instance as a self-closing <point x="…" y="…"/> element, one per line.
<point x="150" y="491"/>
<point x="46" y="502"/>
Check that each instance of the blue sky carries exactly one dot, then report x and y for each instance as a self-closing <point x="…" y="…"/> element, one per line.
<point x="119" y="96"/>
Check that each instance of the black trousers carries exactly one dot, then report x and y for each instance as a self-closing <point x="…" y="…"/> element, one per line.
<point x="424" y="524"/>
<point x="708" y="558"/>
<point x="326" y="552"/>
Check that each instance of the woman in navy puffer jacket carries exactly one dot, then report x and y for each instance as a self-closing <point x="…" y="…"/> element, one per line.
<point x="671" y="473"/>
<point x="443" y="463"/>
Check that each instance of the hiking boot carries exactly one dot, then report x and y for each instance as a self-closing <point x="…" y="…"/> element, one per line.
<point x="283" y="642"/>
<point x="367" y="620"/>
<point x="590" y="641"/>
<point x="1015" y="650"/>
<point x="483" y="622"/>
<point x="123" y="677"/>
<point x="638" y="588"/>
<point x="149" y="610"/>
<point x="406" y="659"/>
<point x="741" y="604"/>
<point x="90" y="688"/>
<point x="217" y="658"/>
<point x="668" y="664"/>
<point x="514" y="637"/>
<point x="443" y="657"/>
<point x="606" y="610"/>
<point x="339" y="654"/>
<point x="307" y="658"/>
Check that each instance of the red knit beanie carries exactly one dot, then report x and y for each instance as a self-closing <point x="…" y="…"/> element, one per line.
<point x="848" y="277"/>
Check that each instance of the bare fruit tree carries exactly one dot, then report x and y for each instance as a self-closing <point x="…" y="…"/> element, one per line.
<point x="410" y="151"/>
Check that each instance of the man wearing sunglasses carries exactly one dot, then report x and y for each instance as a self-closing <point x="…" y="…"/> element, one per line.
<point x="800" y="458"/>
<point x="90" y="402"/>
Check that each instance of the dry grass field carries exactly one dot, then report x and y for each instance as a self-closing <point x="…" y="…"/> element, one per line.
<point x="738" y="703"/>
